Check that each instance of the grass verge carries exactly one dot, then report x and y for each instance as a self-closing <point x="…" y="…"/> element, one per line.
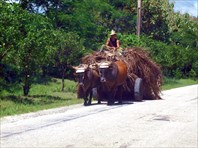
<point x="48" y="95"/>
<point x="41" y="96"/>
<point x="170" y="83"/>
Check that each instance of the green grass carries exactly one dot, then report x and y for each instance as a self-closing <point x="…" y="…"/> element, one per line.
<point x="170" y="83"/>
<point x="41" y="96"/>
<point x="48" y="95"/>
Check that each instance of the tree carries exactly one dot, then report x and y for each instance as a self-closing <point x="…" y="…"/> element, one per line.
<point x="10" y="36"/>
<point x="26" y="40"/>
<point x="90" y="19"/>
<point x="35" y="46"/>
<point x="156" y="18"/>
<point x="185" y="32"/>
<point x="9" y="31"/>
<point x="69" y="50"/>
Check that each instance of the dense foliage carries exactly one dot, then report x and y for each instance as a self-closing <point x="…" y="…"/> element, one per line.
<point x="40" y="38"/>
<point x="176" y="61"/>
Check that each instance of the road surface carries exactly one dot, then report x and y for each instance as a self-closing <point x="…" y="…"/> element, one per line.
<point x="171" y="122"/>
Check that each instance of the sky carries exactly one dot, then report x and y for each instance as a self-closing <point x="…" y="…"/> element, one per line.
<point x="186" y="6"/>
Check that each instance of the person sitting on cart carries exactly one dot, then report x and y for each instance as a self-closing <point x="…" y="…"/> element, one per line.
<point x="112" y="43"/>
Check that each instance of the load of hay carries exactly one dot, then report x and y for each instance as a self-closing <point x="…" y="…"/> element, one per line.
<point x="139" y="64"/>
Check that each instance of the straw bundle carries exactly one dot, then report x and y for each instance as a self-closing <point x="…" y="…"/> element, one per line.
<point x="139" y="65"/>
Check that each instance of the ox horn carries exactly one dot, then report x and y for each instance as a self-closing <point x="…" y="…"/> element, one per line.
<point x="83" y="66"/>
<point x="75" y="67"/>
<point x="108" y="62"/>
<point x="92" y="66"/>
<point x="98" y="63"/>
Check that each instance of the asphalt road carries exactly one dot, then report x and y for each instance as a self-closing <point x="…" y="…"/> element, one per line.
<point x="171" y="122"/>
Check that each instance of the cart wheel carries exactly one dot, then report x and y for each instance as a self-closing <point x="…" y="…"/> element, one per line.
<point x="95" y="93"/>
<point x="138" y="89"/>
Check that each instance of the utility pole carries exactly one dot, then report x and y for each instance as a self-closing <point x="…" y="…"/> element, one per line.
<point x="139" y="8"/>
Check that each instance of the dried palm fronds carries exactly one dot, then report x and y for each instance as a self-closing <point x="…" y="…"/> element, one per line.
<point x="139" y="65"/>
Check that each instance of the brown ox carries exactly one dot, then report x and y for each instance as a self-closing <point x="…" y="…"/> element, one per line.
<point x="112" y="75"/>
<point x="88" y="78"/>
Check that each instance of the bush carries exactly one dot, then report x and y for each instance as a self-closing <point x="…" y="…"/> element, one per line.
<point x="131" y="41"/>
<point x="176" y="61"/>
<point x="192" y="73"/>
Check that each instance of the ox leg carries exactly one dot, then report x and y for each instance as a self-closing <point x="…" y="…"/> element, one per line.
<point x="98" y="96"/>
<point x="90" y="98"/>
<point x="110" y="100"/>
<point x="85" y="101"/>
<point x="120" y="88"/>
<point x="111" y="97"/>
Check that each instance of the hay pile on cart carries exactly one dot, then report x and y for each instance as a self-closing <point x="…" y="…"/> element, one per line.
<point x="144" y="76"/>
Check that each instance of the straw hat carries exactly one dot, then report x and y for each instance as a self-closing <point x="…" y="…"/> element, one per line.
<point x="112" y="32"/>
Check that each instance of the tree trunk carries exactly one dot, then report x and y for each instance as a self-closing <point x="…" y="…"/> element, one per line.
<point x="64" y="67"/>
<point x="1" y="69"/>
<point x="44" y="71"/>
<point x="63" y="85"/>
<point x="26" y="86"/>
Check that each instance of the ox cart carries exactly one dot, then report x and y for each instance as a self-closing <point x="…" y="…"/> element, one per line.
<point x="111" y="76"/>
